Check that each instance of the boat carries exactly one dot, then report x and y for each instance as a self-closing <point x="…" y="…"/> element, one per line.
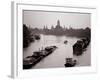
<point x="65" y="42"/>
<point x="70" y="62"/>
<point x="86" y="42"/>
<point x="80" y="46"/>
<point x="37" y="56"/>
<point x="37" y="37"/>
<point x="51" y="48"/>
<point x="28" y="62"/>
<point x="77" y="48"/>
<point x="32" y="39"/>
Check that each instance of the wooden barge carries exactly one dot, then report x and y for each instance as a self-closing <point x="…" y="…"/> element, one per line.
<point x="80" y="46"/>
<point x="30" y="61"/>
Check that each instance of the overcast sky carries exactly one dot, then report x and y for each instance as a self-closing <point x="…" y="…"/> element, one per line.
<point x="40" y="18"/>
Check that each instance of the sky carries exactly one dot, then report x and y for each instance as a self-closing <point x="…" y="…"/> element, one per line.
<point x="39" y="19"/>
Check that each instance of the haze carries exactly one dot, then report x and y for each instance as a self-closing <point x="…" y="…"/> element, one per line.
<point x="39" y="19"/>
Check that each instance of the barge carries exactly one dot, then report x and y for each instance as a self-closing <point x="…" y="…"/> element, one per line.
<point x="37" y="56"/>
<point x="80" y="46"/>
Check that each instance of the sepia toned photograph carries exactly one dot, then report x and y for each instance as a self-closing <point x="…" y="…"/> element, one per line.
<point x="54" y="39"/>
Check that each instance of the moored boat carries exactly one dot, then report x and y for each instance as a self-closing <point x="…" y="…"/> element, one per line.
<point x="37" y="37"/>
<point x="65" y="42"/>
<point x="30" y="61"/>
<point x="80" y="46"/>
<point x="70" y="62"/>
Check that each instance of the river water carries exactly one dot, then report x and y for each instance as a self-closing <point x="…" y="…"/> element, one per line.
<point x="57" y="58"/>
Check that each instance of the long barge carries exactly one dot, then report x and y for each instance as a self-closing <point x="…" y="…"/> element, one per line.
<point x="37" y="56"/>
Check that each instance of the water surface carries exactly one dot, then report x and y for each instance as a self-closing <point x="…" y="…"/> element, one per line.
<point x="57" y="58"/>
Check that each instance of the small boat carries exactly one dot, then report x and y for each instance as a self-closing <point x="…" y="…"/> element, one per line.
<point x="70" y="62"/>
<point x="32" y="39"/>
<point x="37" y="37"/>
<point x="50" y="49"/>
<point x="65" y="42"/>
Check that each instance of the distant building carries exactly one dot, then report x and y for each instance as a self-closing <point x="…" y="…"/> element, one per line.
<point x="52" y="27"/>
<point x="58" y="27"/>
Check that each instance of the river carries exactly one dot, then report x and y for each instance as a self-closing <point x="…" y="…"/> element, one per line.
<point x="57" y="58"/>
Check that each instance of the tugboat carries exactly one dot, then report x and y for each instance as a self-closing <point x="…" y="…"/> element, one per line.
<point x="70" y="62"/>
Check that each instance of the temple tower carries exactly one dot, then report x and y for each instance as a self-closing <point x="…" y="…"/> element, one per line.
<point x="58" y="23"/>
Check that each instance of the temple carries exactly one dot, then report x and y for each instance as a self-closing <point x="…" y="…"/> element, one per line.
<point x="58" y="25"/>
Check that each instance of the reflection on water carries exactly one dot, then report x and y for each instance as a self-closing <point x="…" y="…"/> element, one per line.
<point x="57" y="58"/>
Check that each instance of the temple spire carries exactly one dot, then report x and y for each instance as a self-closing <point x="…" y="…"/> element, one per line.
<point x="58" y="23"/>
